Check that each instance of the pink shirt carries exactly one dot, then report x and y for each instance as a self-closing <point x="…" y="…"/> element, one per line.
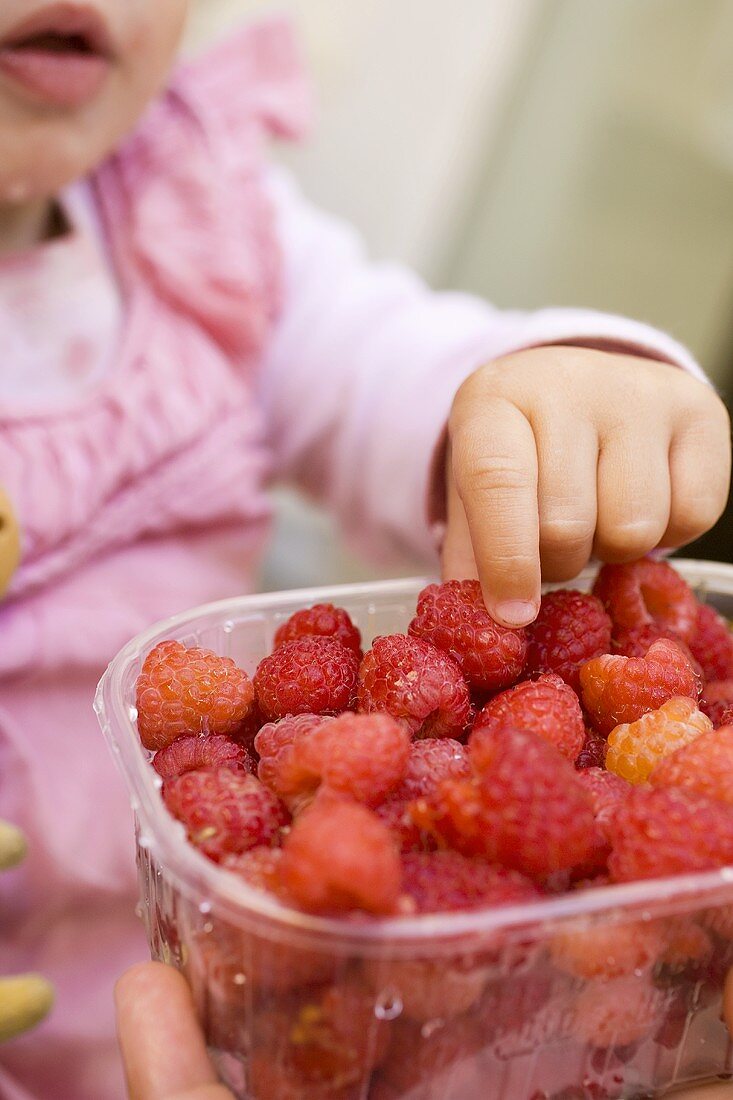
<point x="256" y="342"/>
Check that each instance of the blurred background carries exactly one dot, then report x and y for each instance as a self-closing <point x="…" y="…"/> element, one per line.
<point x="538" y="152"/>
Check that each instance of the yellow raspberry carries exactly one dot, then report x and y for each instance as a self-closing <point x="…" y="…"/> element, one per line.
<point x="635" y="748"/>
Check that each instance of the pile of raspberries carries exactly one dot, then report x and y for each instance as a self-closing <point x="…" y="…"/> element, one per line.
<point x="463" y="764"/>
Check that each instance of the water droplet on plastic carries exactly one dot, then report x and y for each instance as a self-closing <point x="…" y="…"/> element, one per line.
<point x="388" y="1006"/>
<point x="144" y="840"/>
<point x="239" y="978"/>
<point x="208" y="927"/>
<point x="205" y="907"/>
<point x="139" y="911"/>
<point x="158" y="781"/>
<point x="228" y="626"/>
<point x="430" y="1026"/>
<point x="132" y="711"/>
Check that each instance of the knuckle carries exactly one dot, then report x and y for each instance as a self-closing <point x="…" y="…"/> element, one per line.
<point x="631" y="538"/>
<point x="697" y="516"/>
<point x="570" y="535"/>
<point x="494" y="479"/>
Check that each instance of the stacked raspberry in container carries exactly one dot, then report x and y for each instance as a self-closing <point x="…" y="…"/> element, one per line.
<point x="461" y="766"/>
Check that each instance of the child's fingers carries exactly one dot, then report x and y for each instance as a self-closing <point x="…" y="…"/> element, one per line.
<point x="495" y="468"/>
<point x="163" y="1050"/>
<point x="568" y="455"/>
<point x="457" y="560"/>
<point x="699" y="464"/>
<point x="633" y="493"/>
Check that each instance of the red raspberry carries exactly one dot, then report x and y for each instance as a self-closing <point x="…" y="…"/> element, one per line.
<point x="617" y="1013"/>
<point x="669" y="832"/>
<point x="452" y="616"/>
<point x="274" y="743"/>
<point x="212" y="750"/>
<point x="258" y="867"/>
<point x="428" y="764"/>
<point x="621" y="689"/>
<point x="570" y="629"/>
<point x="323" y="620"/>
<point x="646" y="591"/>
<point x="637" y="640"/>
<point x="717" y="702"/>
<point x="705" y="766"/>
<point x="318" y="1045"/>
<point x="593" y="752"/>
<point x="444" y="882"/>
<point x="339" y="857"/>
<point x="362" y="756"/>
<point x="608" y="950"/>
<point x="396" y="815"/>
<point x="224" y="812"/>
<point x="442" y="1061"/>
<point x="412" y="680"/>
<point x="547" y="707"/>
<point x="606" y="792"/>
<point x="193" y="690"/>
<point x="429" y="989"/>
<point x="526" y="809"/>
<point x="712" y="644"/>
<point x="635" y="748"/>
<point x="310" y="675"/>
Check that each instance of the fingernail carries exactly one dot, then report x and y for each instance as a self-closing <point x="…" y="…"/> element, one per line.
<point x="516" y="612"/>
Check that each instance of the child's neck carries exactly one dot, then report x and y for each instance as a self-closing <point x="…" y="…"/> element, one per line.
<point x="25" y="224"/>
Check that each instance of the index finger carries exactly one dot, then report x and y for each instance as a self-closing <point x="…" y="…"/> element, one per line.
<point x="495" y="467"/>
<point x="163" y="1050"/>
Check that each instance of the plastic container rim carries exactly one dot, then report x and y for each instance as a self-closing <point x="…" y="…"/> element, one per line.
<point x="167" y="841"/>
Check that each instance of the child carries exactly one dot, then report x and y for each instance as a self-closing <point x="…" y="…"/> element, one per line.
<point x="180" y="328"/>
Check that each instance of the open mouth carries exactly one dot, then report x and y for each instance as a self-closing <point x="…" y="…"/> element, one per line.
<point x="60" y="56"/>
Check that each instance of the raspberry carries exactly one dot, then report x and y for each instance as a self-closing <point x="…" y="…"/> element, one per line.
<point x="593" y="753"/>
<point x="323" y="620"/>
<point x="525" y="810"/>
<point x="634" y="749"/>
<point x="606" y="792"/>
<point x="437" y="1060"/>
<point x="318" y="1045"/>
<point x="212" y="750"/>
<point x="669" y="832"/>
<point x="182" y="691"/>
<point x="444" y="882"/>
<point x="705" y="766"/>
<point x="309" y="675"/>
<point x="689" y="948"/>
<point x="224" y="812"/>
<point x="412" y="680"/>
<point x="274" y="744"/>
<point x="338" y="857"/>
<point x="712" y="644"/>
<point x="618" y="690"/>
<point x="428" y="764"/>
<point x="617" y="1013"/>
<point x="258" y="867"/>
<point x="636" y="641"/>
<point x="395" y="813"/>
<point x="608" y="950"/>
<point x="452" y="616"/>
<point x="570" y="629"/>
<point x="647" y="591"/>
<point x="547" y="707"/>
<point x="717" y="702"/>
<point x="362" y="756"/>
<point x="429" y="989"/>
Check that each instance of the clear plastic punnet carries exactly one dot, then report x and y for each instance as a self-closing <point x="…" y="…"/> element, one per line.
<point x="473" y="1006"/>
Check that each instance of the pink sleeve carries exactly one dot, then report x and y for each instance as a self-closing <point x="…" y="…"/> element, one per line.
<point x="364" y="364"/>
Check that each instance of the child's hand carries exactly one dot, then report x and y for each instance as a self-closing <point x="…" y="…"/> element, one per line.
<point x="560" y="453"/>
<point x="163" y="1050"/>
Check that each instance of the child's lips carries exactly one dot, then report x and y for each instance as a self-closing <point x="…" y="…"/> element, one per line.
<point x="60" y="57"/>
